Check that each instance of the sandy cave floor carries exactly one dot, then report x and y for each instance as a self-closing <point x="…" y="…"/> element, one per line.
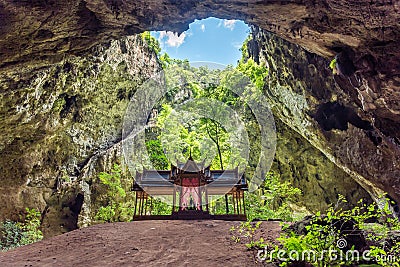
<point x="142" y="243"/>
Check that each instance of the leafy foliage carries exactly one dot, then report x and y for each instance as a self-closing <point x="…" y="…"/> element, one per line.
<point x="177" y="138"/>
<point x="58" y="105"/>
<point x="272" y="200"/>
<point x="165" y="60"/>
<point x="157" y="156"/>
<point x="257" y="73"/>
<point x="159" y="207"/>
<point x="12" y="235"/>
<point x="15" y="234"/>
<point x="332" y="65"/>
<point x="246" y="232"/>
<point x="119" y="206"/>
<point x="325" y="232"/>
<point x="113" y="181"/>
<point x="31" y="226"/>
<point x="151" y="42"/>
<point x="202" y="137"/>
<point x="185" y="82"/>
<point x="106" y="214"/>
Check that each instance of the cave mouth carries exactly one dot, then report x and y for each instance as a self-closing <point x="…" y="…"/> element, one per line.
<point x="200" y="61"/>
<point x="208" y="46"/>
<point x="206" y="40"/>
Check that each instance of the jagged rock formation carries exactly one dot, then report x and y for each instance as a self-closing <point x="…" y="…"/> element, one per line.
<point x="307" y="168"/>
<point x="62" y="124"/>
<point x="324" y="110"/>
<point x="48" y="98"/>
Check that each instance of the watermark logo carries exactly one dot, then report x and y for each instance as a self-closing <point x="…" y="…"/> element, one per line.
<point x="148" y="96"/>
<point x="330" y="255"/>
<point x="341" y="243"/>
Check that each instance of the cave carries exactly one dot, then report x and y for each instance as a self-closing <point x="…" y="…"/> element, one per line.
<point x="42" y="40"/>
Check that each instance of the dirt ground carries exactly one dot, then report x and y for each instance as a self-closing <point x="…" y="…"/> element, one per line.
<point x="141" y="243"/>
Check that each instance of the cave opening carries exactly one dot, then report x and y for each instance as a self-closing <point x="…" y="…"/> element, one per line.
<point x="206" y="61"/>
<point x="206" y="49"/>
<point x="206" y="40"/>
<point x="76" y="139"/>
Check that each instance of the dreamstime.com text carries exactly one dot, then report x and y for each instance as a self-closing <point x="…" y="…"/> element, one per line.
<point x="331" y="255"/>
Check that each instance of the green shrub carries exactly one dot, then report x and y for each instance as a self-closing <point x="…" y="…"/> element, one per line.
<point x="272" y="200"/>
<point x="15" y="234"/>
<point x="106" y="214"/>
<point x="151" y="42"/>
<point x="119" y="205"/>
<point x="113" y="182"/>
<point x="325" y="233"/>
<point x="31" y="226"/>
<point x="158" y="207"/>
<point x="12" y="235"/>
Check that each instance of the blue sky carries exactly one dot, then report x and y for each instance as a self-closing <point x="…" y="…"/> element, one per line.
<point x="211" y="39"/>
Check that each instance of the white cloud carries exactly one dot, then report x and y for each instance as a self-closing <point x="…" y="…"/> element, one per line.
<point x="229" y="23"/>
<point x="203" y="27"/>
<point x="173" y="39"/>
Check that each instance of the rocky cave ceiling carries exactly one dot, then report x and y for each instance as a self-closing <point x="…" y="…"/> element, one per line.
<point x="35" y="33"/>
<point x="44" y="30"/>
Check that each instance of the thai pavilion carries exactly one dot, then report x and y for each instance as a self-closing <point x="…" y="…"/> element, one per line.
<point x="191" y="186"/>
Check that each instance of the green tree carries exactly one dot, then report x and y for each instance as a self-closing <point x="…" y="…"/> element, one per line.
<point x="157" y="156"/>
<point x="216" y="133"/>
<point x="118" y="206"/>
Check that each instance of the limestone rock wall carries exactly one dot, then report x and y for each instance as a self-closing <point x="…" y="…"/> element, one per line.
<point x="307" y="168"/>
<point x="365" y="34"/>
<point x="323" y="108"/>
<point x="61" y="124"/>
<point x="52" y="103"/>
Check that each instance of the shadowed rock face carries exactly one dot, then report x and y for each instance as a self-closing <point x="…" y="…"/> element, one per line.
<point x="326" y="110"/>
<point x="45" y="89"/>
<point x="61" y="125"/>
<point x="333" y="115"/>
<point x="306" y="167"/>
